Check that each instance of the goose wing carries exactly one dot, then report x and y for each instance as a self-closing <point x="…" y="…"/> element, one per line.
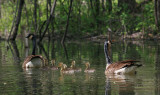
<point x="122" y="64"/>
<point x="29" y="58"/>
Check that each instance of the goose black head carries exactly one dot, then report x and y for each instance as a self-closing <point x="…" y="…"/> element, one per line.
<point x="30" y="36"/>
<point x="107" y="44"/>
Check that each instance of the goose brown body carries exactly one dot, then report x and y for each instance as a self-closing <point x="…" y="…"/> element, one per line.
<point x="29" y="59"/>
<point x="121" y="67"/>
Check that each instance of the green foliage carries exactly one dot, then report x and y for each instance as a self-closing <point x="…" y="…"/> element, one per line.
<point x="84" y="17"/>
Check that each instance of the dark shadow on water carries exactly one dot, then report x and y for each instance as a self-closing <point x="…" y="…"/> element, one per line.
<point x="157" y="74"/>
<point x="65" y="51"/>
<point x="15" y="52"/>
<point x="43" y="50"/>
<point x="53" y="49"/>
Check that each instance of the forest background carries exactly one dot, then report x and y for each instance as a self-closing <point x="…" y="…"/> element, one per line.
<point x="79" y="18"/>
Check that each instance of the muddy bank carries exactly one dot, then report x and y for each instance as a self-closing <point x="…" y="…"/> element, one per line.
<point x="96" y="37"/>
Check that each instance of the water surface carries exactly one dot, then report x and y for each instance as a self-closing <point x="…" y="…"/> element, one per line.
<point x="16" y="81"/>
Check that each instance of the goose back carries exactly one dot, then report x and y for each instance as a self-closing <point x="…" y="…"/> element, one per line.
<point x="33" y="61"/>
<point x="127" y="66"/>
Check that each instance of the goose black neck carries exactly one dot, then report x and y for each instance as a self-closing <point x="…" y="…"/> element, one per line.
<point x="34" y="46"/>
<point x="108" y="60"/>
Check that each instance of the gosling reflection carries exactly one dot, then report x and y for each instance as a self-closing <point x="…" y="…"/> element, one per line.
<point x="65" y="76"/>
<point x="89" y="77"/>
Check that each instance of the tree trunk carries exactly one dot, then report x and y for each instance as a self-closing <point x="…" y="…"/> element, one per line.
<point x="91" y="4"/>
<point x="97" y="3"/>
<point x="0" y="9"/>
<point x="157" y="13"/>
<point x="35" y="15"/>
<point x="79" y="16"/>
<point x="103" y="6"/>
<point x="109" y="5"/>
<point x="47" y="10"/>
<point x="65" y="33"/>
<point x="62" y="4"/>
<point x="127" y="5"/>
<point x="49" y="20"/>
<point x="92" y="8"/>
<point x="18" y="19"/>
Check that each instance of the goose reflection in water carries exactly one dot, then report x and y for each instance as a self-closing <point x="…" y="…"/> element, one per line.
<point x="108" y="87"/>
<point x="120" y="84"/>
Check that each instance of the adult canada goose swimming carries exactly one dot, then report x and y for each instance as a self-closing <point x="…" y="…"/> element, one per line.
<point x="122" y="67"/>
<point x="88" y="69"/>
<point x="64" y="68"/>
<point x="33" y="60"/>
<point x="73" y="67"/>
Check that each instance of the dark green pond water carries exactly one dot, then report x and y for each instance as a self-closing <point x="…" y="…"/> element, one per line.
<point x="16" y="81"/>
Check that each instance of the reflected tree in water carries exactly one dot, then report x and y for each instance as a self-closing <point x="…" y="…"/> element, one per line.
<point x="53" y="49"/>
<point x="65" y="51"/>
<point x="14" y="50"/>
<point x="157" y="65"/>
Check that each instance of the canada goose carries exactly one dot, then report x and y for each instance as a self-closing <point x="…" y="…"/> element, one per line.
<point x="88" y="69"/>
<point x="121" y="67"/>
<point x="64" y="68"/>
<point x="33" y="60"/>
<point x="73" y="67"/>
<point x="53" y="67"/>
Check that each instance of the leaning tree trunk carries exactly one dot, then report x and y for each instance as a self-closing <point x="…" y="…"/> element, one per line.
<point x="48" y="20"/>
<point x="0" y="8"/>
<point x="157" y="13"/>
<point x="103" y="6"/>
<point x="35" y="15"/>
<point x="97" y="7"/>
<point x="65" y="33"/>
<point x="109" y="5"/>
<point x="18" y="19"/>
